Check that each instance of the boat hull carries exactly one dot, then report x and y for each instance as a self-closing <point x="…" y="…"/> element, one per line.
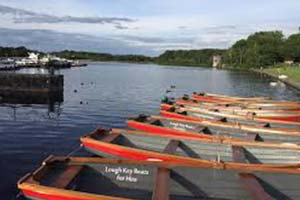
<point x="205" y="149"/>
<point x="107" y="179"/>
<point x="258" y="103"/>
<point x="180" y="126"/>
<point x="249" y="119"/>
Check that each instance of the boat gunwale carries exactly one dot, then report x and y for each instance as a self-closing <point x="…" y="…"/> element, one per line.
<point x="267" y="119"/>
<point x="230" y="108"/>
<point x="244" y="102"/>
<point x="229" y="96"/>
<point x="213" y="139"/>
<point x="195" y="162"/>
<point x="236" y="126"/>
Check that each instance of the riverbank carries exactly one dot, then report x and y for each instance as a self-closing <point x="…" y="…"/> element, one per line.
<point x="292" y="73"/>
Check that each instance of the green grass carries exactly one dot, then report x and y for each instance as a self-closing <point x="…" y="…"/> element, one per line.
<point x="293" y="72"/>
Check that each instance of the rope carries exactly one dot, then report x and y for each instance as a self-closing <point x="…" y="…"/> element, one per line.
<point x="74" y="151"/>
<point x="19" y="195"/>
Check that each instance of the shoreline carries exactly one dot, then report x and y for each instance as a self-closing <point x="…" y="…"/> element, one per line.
<point x="275" y="77"/>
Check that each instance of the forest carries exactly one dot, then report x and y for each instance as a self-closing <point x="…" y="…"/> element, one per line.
<point x="261" y="49"/>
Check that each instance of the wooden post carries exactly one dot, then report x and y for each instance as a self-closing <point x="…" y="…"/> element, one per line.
<point x="171" y="147"/>
<point x="248" y="180"/>
<point x="162" y="189"/>
<point x="238" y="154"/>
<point x="252" y="185"/>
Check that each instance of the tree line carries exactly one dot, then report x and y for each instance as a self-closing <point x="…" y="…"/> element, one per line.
<point x="261" y="49"/>
<point x="13" y="52"/>
<point x="201" y="57"/>
<point x="79" y="55"/>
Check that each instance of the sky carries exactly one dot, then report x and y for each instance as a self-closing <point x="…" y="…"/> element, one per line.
<point x="141" y="26"/>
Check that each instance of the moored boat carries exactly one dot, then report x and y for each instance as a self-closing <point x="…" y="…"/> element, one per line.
<point x="139" y="145"/>
<point x="288" y="120"/>
<point x="232" y="107"/>
<point x="174" y="123"/>
<point x="229" y="108"/>
<point x="79" y="178"/>
<point x="229" y="97"/>
<point x="263" y="103"/>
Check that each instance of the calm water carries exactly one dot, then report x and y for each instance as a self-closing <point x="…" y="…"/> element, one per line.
<point x="107" y="93"/>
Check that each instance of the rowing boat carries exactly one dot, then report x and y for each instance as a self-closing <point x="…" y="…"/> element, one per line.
<point x="173" y="124"/>
<point x="83" y="178"/>
<point x="139" y="145"/>
<point x="288" y="120"/>
<point x="257" y="114"/>
<point x="262" y="103"/>
<point x="222" y="96"/>
<point x="231" y="107"/>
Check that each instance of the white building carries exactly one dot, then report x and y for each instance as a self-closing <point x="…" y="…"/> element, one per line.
<point x="217" y="61"/>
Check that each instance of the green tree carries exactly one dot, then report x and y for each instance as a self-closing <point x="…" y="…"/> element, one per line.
<point x="291" y="48"/>
<point x="258" y="50"/>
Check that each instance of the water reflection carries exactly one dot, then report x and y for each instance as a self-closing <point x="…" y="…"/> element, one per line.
<point x="34" y="71"/>
<point x="33" y="106"/>
<point x="32" y="101"/>
<point x="106" y="95"/>
<point x="23" y="112"/>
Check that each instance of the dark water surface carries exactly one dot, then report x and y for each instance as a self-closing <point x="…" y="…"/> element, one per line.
<point x="107" y="93"/>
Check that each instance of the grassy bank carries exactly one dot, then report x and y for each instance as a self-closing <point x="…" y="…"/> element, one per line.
<point x="293" y="73"/>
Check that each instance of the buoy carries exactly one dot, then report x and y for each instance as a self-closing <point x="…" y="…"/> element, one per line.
<point x="75" y="91"/>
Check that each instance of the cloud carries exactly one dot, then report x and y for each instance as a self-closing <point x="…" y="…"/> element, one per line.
<point x="45" y="40"/>
<point x="219" y="29"/>
<point x="119" y="26"/>
<point x="142" y="39"/>
<point x="24" y="16"/>
<point x="182" y="27"/>
<point x="158" y="44"/>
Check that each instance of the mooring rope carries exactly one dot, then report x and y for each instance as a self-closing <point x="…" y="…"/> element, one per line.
<point x="74" y="151"/>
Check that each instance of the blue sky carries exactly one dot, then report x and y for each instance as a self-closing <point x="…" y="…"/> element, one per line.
<point x="146" y="26"/>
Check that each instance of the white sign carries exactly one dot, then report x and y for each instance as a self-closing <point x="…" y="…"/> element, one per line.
<point x="125" y="174"/>
<point x="181" y="126"/>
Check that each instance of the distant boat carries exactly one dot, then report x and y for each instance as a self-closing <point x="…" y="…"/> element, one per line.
<point x="78" y="64"/>
<point x="8" y="64"/>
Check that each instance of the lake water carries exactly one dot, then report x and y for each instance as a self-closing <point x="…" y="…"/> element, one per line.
<point x="107" y="94"/>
